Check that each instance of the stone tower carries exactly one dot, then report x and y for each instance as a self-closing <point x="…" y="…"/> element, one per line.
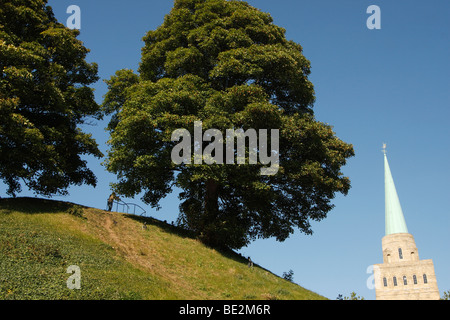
<point x="401" y="276"/>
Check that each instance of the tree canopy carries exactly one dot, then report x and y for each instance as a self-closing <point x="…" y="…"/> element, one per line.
<point x="226" y="64"/>
<point x="44" y="97"/>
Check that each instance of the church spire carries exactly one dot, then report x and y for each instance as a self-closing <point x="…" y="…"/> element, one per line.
<point x="395" y="221"/>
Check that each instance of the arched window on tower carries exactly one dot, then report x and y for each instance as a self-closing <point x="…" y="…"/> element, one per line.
<point x="415" y="279"/>
<point x="405" y="281"/>
<point x="425" y="280"/>
<point x="400" y="253"/>
<point x="395" y="281"/>
<point x="385" y="281"/>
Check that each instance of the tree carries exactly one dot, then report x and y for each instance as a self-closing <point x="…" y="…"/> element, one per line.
<point x="289" y="276"/>
<point x="226" y="64"/>
<point x="44" y="97"/>
<point x="446" y="295"/>
<point x="353" y="296"/>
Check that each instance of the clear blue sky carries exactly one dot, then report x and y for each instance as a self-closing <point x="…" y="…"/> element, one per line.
<point x="374" y="86"/>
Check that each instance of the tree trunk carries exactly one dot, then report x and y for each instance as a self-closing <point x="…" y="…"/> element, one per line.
<point x="211" y="212"/>
<point x="212" y="198"/>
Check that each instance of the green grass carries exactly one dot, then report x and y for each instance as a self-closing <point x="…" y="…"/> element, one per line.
<point x="118" y="259"/>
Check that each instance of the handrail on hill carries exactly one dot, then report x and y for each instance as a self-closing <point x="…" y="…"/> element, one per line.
<point x="126" y="207"/>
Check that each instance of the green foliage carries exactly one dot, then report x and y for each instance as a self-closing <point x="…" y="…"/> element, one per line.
<point x="446" y="295"/>
<point x="353" y="296"/>
<point x="226" y="64"/>
<point x="43" y="99"/>
<point x="289" y="276"/>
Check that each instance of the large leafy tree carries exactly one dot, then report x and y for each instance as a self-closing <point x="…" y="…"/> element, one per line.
<point x="44" y="97"/>
<point x="226" y="64"/>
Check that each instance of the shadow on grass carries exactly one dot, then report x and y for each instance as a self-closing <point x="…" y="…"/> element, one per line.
<point x="169" y="228"/>
<point x="35" y="205"/>
<point x="181" y="232"/>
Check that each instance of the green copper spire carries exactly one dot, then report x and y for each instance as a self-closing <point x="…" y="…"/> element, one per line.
<point x="395" y="221"/>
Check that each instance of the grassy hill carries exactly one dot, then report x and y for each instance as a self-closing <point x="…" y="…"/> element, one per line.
<point x="119" y="259"/>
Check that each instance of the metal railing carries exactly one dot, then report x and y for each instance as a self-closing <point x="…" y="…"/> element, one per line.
<point x="129" y="208"/>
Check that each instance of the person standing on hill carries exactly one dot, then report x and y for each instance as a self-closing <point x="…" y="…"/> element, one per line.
<point x="111" y="199"/>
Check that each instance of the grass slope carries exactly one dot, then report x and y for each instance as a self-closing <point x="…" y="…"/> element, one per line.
<point x="118" y="259"/>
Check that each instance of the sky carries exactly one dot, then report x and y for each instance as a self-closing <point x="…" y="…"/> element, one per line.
<point x="374" y="86"/>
